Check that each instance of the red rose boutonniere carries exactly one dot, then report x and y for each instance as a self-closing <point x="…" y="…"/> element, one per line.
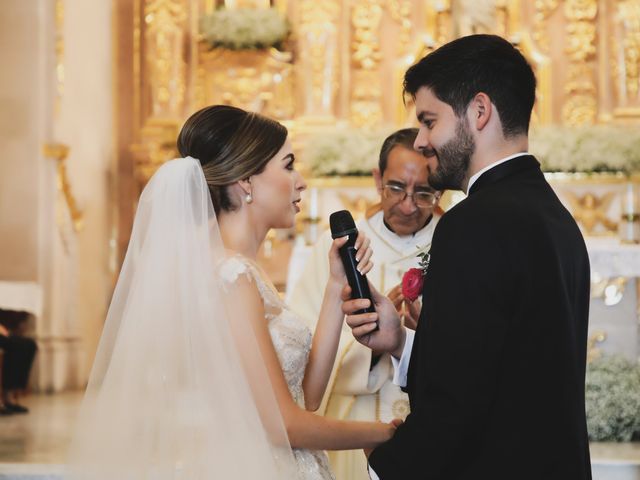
<point x="413" y="278"/>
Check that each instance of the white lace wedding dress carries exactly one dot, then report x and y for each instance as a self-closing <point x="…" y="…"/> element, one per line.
<point x="292" y="341"/>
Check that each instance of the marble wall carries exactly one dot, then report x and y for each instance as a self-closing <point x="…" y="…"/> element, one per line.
<point x="57" y="91"/>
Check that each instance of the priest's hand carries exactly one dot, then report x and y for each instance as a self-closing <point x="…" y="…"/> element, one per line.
<point x="396" y="296"/>
<point x="389" y="336"/>
<point x="411" y="313"/>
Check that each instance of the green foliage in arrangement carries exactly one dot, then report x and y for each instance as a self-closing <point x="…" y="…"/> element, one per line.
<point x="613" y="399"/>
<point x="344" y="152"/>
<point x="245" y="28"/>
<point x="593" y="149"/>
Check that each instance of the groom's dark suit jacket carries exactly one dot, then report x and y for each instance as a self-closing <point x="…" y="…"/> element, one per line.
<point x="496" y="378"/>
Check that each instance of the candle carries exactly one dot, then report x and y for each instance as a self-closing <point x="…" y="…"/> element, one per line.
<point x="629" y="226"/>
<point x="629" y="200"/>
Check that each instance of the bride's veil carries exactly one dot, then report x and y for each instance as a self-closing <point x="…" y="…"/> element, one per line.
<point x="178" y="389"/>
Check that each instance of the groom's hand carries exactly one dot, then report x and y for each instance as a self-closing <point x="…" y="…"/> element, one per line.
<point x="390" y="335"/>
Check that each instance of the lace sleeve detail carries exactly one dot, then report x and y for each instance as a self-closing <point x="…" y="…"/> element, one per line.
<point x="236" y="265"/>
<point x="231" y="268"/>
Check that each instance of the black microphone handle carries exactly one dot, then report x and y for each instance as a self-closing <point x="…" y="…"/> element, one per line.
<point x="357" y="281"/>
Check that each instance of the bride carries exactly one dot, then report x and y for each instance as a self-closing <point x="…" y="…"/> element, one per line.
<point x="202" y="371"/>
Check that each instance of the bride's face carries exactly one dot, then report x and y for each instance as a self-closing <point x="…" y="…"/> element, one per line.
<point x="276" y="191"/>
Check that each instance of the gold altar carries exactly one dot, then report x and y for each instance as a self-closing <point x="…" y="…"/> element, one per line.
<point x="344" y="62"/>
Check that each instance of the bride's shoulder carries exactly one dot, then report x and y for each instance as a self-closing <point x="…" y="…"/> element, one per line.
<point x="233" y="266"/>
<point x="243" y="276"/>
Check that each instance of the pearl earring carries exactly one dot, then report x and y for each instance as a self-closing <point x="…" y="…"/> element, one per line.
<point x="248" y="198"/>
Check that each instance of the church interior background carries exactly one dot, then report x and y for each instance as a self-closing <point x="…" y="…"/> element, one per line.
<point x="93" y="94"/>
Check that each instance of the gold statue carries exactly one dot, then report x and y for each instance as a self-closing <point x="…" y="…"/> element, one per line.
<point x="589" y="210"/>
<point x="473" y="16"/>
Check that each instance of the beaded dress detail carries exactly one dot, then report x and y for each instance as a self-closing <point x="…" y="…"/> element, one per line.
<point x="292" y="342"/>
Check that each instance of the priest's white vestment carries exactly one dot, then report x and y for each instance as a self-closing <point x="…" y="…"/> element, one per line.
<point x="356" y="391"/>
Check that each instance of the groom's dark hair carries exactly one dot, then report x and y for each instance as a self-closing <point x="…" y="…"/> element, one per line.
<point x="460" y="69"/>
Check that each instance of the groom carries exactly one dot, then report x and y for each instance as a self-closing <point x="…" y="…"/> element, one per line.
<point x="495" y="373"/>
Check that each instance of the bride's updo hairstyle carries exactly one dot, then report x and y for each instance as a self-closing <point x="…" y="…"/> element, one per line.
<point x="231" y="145"/>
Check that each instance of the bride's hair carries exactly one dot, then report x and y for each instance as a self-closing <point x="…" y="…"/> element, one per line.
<point x="231" y="145"/>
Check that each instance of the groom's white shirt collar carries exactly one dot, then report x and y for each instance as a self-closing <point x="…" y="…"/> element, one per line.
<point x="475" y="177"/>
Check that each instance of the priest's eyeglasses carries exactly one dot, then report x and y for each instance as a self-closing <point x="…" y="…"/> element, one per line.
<point x="421" y="198"/>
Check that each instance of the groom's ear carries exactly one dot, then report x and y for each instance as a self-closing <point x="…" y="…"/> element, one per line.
<point x="480" y="110"/>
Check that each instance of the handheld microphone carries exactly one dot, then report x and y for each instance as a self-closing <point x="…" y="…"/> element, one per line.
<point x="342" y="224"/>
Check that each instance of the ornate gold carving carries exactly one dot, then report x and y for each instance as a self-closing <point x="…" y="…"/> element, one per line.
<point x="366" y="18"/>
<point x="544" y="9"/>
<point x="627" y="46"/>
<point x="59" y="152"/>
<point x="318" y="67"/>
<point x="473" y="16"/>
<point x="581" y="105"/>
<point x="257" y="80"/>
<point x="504" y="19"/>
<point x="581" y="39"/>
<point x="438" y="25"/>
<point x="543" y="108"/>
<point x="400" y="11"/>
<point x="590" y="210"/>
<point x="366" y="91"/>
<point x="158" y="146"/>
<point x="630" y="11"/>
<point x="160" y="73"/>
<point x="500" y="17"/>
<point x="581" y="9"/>
<point x="164" y="36"/>
<point x="580" y="109"/>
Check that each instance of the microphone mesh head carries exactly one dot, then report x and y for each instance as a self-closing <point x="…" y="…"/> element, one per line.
<point x="342" y="224"/>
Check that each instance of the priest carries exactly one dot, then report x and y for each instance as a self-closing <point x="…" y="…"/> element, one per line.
<point x="400" y="229"/>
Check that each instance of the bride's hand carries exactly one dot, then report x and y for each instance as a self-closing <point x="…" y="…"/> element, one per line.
<point x="388" y="430"/>
<point x="396" y="422"/>
<point x="363" y="256"/>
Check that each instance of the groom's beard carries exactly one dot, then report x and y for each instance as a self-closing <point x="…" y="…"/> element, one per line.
<point x="454" y="158"/>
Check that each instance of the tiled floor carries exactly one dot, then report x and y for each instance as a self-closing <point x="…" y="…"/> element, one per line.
<point x="42" y="435"/>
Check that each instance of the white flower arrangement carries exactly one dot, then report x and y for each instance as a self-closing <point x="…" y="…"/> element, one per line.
<point x="599" y="148"/>
<point x="245" y="28"/>
<point x="344" y="152"/>
<point x="612" y="398"/>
